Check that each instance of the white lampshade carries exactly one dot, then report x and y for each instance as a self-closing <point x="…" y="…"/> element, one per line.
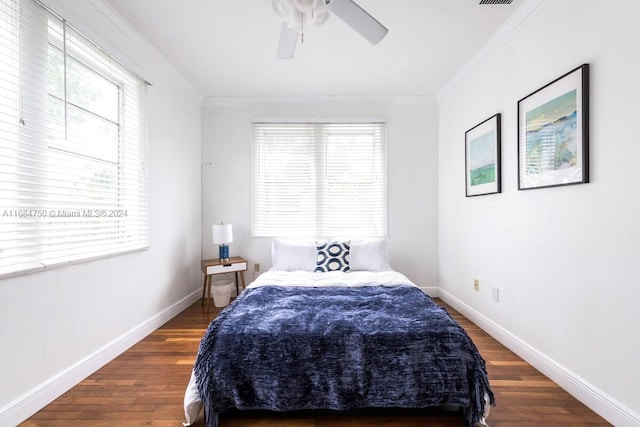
<point x="222" y="234"/>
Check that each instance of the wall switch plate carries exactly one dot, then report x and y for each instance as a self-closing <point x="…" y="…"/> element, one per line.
<point x="476" y="284"/>
<point x="256" y="266"/>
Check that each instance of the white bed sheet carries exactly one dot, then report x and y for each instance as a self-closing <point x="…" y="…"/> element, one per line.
<point x="331" y="278"/>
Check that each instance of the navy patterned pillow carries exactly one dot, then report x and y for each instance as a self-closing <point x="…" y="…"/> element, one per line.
<point x="332" y="256"/>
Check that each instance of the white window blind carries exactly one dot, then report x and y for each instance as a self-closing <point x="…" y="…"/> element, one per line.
<point x="72" y="145"/>
<point x="319" y="180"/>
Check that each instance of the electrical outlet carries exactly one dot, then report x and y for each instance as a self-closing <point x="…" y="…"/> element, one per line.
<point x="476" y="284"/>
<point x="495" y="293"/>
<point x="256" y="266"/>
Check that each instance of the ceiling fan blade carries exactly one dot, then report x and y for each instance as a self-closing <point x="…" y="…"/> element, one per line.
<point x="358" y="19"/>
<point x="287" y="43"/>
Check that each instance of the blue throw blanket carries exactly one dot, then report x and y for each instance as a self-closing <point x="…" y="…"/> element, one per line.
<point x="293" y="348"/>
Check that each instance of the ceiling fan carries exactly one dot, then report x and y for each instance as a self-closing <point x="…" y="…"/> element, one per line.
<point x="297" y="14"/>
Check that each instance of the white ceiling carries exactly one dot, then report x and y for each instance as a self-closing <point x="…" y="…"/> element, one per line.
<point x="228" y="48"/>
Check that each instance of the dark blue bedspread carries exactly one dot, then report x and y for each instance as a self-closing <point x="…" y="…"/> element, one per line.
<point x="292" y="348"/>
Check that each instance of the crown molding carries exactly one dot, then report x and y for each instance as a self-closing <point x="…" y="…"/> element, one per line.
<point x="212" y="102"/>
<point x="512" y="26"/>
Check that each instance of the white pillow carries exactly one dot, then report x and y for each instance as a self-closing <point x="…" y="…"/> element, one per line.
<point x="192" y="403"/>
<point x="369" y="255"/>
<point x="287" y="255"/>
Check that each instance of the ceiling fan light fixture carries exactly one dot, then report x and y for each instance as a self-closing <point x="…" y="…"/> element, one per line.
<point x="283" y="8"/>
<point x="320" y="14"/>
<point x="297" y="14"/>
<point x="305" y="6"/>
<point x="320" y="18"/>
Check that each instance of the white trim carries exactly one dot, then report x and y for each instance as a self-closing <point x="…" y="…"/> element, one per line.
<point x="598" y="401"/>
<point x="229" y="102"/>
<point x="37" y="398"/>
<point x="523" y="14"/>
<point x="432" y="291"/>
<point x="108" y="15"/>
<point x="291" y="119"/>
<point x="69" y="263"/>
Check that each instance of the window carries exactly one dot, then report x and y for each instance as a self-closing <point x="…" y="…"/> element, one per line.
<point x="319" y="180"/>
<point x="72" y="145"/>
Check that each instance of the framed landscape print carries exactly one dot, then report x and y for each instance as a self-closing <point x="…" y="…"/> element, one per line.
<point x="553" y="133"/>
<point x="482" y="157"/>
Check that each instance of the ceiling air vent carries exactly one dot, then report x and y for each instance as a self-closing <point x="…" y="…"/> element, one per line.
<point x="495" y="1"/>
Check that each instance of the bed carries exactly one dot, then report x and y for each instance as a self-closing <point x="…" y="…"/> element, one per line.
<point x="296" y="340"/>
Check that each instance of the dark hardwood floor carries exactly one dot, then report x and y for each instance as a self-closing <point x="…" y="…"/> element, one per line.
<point x="145" y="387"/>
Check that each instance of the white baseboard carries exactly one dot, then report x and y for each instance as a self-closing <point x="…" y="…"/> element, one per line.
<point x="601" y="403"/>
<point x="598" y="401"/>
<point x="433" y="291"/>
<point x="37" y="398"/>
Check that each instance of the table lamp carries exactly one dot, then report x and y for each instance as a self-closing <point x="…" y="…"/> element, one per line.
<point x="222" y="235"/>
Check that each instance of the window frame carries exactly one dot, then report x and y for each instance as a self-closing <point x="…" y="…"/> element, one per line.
<point x="321" y="226"/>
<point x="68" y="210"/>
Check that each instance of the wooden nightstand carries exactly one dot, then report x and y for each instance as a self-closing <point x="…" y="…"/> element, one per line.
<point x="211" y="267"/>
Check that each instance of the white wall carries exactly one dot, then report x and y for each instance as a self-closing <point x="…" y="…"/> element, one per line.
<point x="59" y="325"/>
<point x="564" y="258"/>
<point x="411" y="172"/>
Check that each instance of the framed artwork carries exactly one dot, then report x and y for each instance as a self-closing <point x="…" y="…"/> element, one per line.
<point x="482" y="157"/>
<point x="553" y="133"/>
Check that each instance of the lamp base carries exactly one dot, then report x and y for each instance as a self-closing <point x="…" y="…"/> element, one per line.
<point x="223" y="253"/>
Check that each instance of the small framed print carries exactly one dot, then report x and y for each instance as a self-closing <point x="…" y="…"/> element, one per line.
<point x="482" y="157"/>
<point x="553" y="133"/>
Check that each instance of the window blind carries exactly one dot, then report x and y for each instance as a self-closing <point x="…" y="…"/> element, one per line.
<point x="319" y="180"/>
<point x="73" y="180"/>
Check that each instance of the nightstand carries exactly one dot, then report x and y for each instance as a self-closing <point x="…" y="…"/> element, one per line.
<point x="211" y="267"/>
